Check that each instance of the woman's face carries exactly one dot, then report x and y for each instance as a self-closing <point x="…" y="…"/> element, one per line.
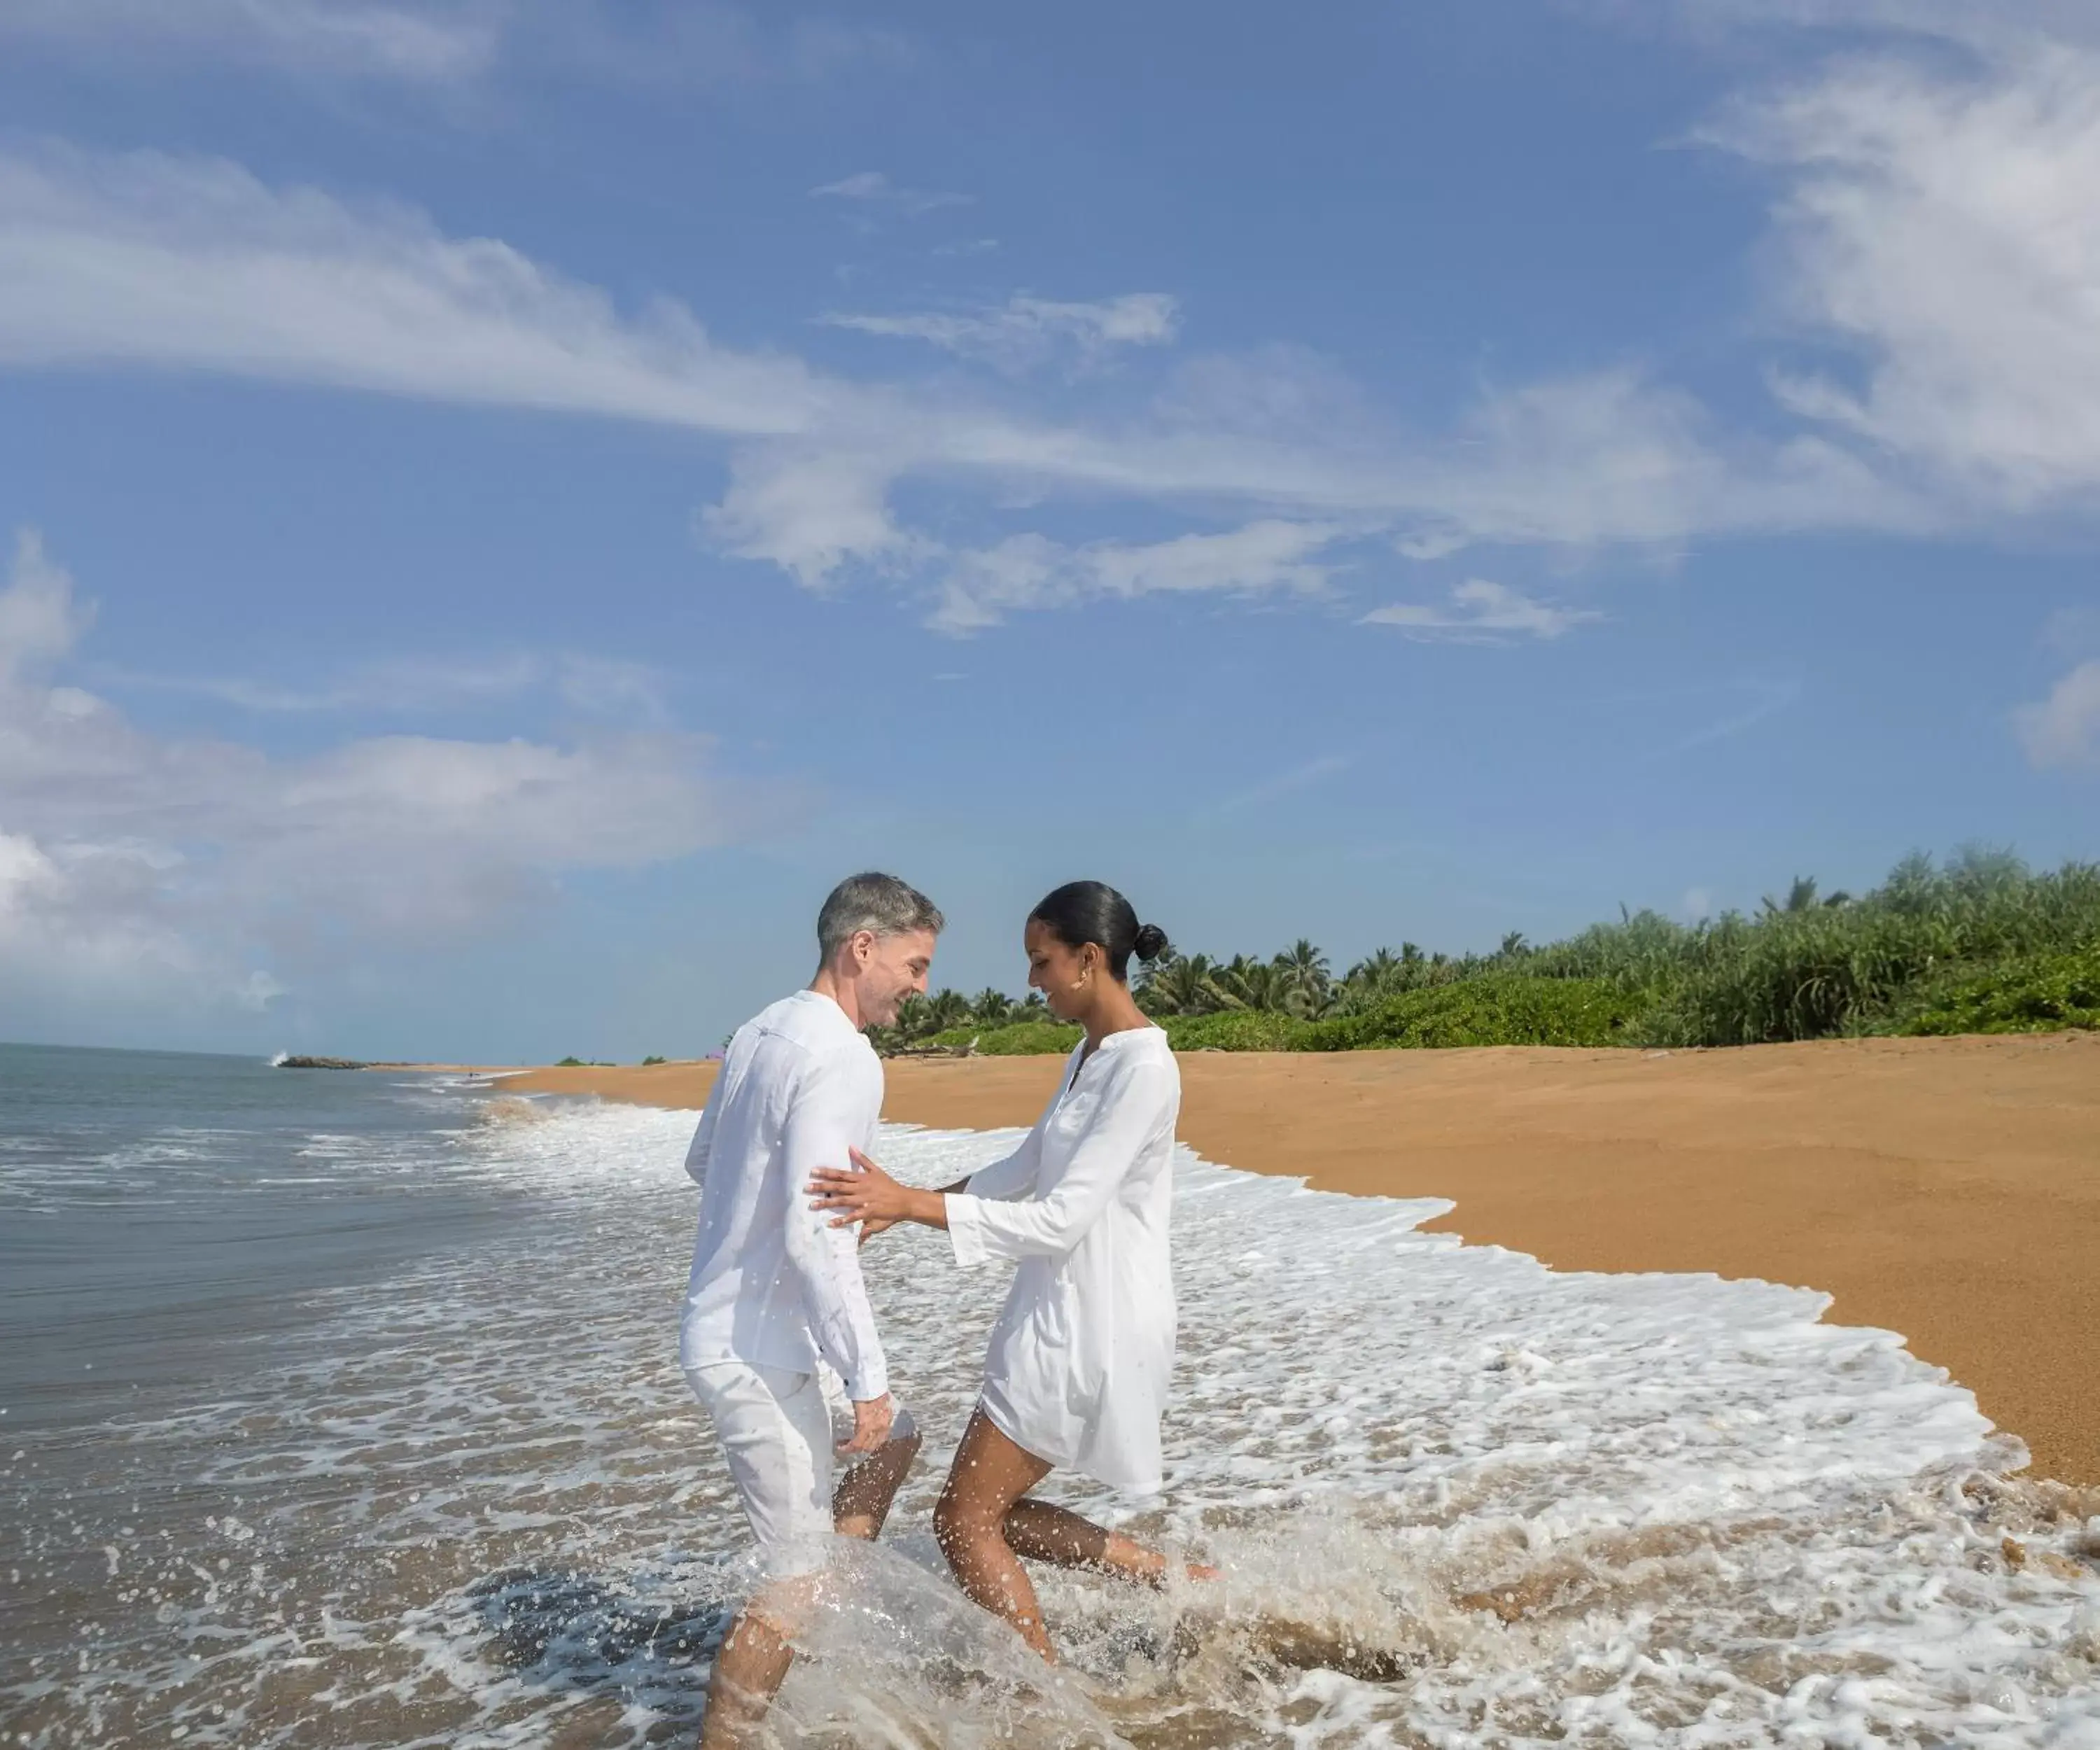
<point x="1066" y="976"/>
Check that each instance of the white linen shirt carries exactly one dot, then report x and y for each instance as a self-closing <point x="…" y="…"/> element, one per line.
<point x="1078" y="1369"/>
<point x="774" y="1284"/>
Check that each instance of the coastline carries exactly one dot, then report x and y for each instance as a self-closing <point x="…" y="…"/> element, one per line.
<point x="1946" y="1188"/>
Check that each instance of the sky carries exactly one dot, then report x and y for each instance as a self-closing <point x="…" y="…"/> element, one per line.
<point x="505" y="502"/>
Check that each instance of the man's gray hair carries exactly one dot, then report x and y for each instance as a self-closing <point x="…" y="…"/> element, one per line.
<point x="880" y="903"/>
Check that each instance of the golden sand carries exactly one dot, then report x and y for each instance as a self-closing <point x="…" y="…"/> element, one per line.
<point x="1946" y="1188"/>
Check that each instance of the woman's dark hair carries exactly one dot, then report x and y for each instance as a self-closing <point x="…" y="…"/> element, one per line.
<point x="1080" y="912"/>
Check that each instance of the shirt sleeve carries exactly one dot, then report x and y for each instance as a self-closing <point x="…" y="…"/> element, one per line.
<point x="1015" y="1175"/>
<point x="704" y="1137"/>
<point x="1123" y="1120"/>
<point x="824" y="1121"/>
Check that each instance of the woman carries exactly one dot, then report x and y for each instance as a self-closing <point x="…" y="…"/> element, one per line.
<point x="1077" y="1367"/>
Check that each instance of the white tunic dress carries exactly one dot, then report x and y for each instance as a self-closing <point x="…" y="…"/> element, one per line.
<point x="1077" y="1372"/>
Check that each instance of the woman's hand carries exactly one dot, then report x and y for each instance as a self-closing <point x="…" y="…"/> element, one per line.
<point x="866" y="1193"/>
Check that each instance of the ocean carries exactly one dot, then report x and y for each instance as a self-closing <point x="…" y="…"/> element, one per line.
<point x="343" y="1409"/>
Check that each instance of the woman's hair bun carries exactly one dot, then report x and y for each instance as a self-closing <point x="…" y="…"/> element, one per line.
<point x="1151" y="943"/>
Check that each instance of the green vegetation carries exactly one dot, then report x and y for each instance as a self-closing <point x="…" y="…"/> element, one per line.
<point x="648" y="1061"/>
<point x="582" y="1063"/>
<point x="1978" y="944"/>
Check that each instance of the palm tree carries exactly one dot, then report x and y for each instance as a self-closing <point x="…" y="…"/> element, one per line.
<point x="1182" y="984"/>
<point x="1239" y="983"/>
<point x="1306" y="965"/>
<point x="1374" y="970"/>
<point x="1800" y="896"/>
<point x="1514" y="946"/>
<point x="949" y="1008"/>
<point x="991" y="1007"/>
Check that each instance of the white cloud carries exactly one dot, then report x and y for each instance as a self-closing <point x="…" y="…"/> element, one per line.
<point x="809" y="512"/>
<point x="1994" y="27"/>
<point x="189" y="266"/>
<point x="403" y="43"/>
<point x="599" y="686"/>
<point x="39" y="619"/>
<point x="1025" y="331"/>
<point x="2064" y="729"/>
<point x="1027" y="571"/>
<point x="123" y="854"/>
<point x="1302" y="777"/>
<point x="873" y="188"/>
<point x="443" y="46"/>
<point x="1482" y="612"/>
<point x="1939" y="224"/>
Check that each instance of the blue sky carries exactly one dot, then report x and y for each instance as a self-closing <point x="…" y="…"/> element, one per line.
<point x="509" y="501"/>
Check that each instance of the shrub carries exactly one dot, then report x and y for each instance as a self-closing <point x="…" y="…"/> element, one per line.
<point x="1235" y="1030"/>
<point x="2037" y="994"/>
<point x="1027" y="1038"/>
<point x="1493" y="1009"/>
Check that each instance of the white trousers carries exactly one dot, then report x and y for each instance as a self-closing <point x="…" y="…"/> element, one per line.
<point x="777" y="1428"/>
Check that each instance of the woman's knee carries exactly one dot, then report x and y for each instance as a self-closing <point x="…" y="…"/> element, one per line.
<point x="958" y="1522"/>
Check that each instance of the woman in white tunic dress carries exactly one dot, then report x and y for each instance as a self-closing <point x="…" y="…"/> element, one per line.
<point x="1077" y="1372"/>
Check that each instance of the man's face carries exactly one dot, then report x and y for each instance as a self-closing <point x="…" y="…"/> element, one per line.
<point x="891" y="967"/>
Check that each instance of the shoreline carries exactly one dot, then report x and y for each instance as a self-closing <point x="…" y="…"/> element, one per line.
<point x="1945" y="1189"/>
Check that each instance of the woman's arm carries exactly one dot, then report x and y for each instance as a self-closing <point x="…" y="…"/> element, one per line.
<point x="847" y="1195"/>
<point x="1013" y="1176"/>
<point x="866" y="1193"/>
<point x="1129" y="1112"/>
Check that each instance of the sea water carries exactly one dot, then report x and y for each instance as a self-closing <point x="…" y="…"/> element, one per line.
<point x="344" y="1410"/>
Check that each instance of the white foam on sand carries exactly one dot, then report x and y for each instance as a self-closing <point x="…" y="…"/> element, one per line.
<point x="1459" y="1497"/>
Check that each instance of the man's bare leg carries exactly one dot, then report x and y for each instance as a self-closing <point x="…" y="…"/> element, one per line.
<point x="756" y="1655"/>
<point x="751" y="1665"/>
<point x="860" y="1503"/>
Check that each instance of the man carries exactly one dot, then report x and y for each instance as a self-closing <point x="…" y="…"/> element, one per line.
<point x="775" y="1289"/>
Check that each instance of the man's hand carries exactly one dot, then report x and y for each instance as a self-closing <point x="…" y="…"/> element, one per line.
<point x="872" y="1420"/>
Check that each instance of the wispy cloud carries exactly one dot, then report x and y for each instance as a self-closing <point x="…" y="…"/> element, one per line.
<point x="873" y="188"/>
<point x="1304" y="777"/>
<point x="1938" y="222"/>
<point x="1025" y="331"/>
<point x="182" y="265"/>
<point x="440" y="46"/>
<point x="1027" y="571"/>
<point x="418" y="44"/>
<point x="131" y="858"/>
<point x="2063" y="729"/>
<point x="1767" y="697"/>
<point x="598" y="686"/>
<point x="1481" y="612"/>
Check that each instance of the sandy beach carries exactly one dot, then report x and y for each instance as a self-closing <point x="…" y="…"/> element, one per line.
<point x="1946" y="1188"/>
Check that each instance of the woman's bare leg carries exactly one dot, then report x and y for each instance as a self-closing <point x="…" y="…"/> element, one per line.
<point x="990" y="1473"/>
<point x="985" y="1525"/>
<point x="1039" y="1532"/>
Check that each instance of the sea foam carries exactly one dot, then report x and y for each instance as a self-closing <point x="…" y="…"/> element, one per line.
<point x="1460" y="1498"/>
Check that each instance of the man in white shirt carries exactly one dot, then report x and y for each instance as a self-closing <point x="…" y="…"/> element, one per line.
<point x="776" y="1290"/>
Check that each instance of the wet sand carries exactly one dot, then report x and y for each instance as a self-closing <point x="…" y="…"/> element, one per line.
<point x="1946" y="1188"/>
